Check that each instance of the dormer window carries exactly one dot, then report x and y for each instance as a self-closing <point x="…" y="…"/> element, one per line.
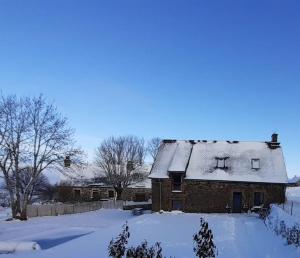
<point x="222" y="163"/>
<point x="255" y="164"/>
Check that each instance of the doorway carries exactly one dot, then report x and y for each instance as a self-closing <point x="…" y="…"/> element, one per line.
<point x="237" y="202"/>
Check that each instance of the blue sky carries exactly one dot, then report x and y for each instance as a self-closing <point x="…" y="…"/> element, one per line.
<point x="173" y="69"/>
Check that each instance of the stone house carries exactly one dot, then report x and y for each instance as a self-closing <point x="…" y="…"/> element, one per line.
<point x="139" y="192"/>
<point x="217" y="176"/>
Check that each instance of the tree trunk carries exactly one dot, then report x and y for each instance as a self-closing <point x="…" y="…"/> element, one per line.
<point x="23" y="204"/>
<point x="119" y="191"/>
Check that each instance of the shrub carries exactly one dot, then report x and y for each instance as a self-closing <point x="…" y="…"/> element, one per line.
<point x="203" y="241"/>
<point x="143" y="251"/>
<point x="117" y="247"/>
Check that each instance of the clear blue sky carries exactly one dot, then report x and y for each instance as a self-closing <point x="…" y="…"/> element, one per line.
<point x="173" y="69"/>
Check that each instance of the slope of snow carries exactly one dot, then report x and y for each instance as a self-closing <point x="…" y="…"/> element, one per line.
<point x="293" y="193"/>
<point x="292" y="204"/>
<point x="236" y="235"/>
<point x="181" y="157"/>
<point x="163" y="160"/>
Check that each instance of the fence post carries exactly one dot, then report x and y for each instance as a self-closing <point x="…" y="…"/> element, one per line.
<point x="292" y="208"/>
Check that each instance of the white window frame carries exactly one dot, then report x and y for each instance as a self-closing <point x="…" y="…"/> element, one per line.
<point x="255" y="164"/>
<point x="221" y="163"/>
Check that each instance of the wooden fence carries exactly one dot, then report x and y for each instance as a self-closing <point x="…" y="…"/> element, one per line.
<point x="63" y="208"/>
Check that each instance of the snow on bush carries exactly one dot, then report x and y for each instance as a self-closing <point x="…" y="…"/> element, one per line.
<point x="117" y="247"/>
<point x="203" y="240"/>
<point x="143" y="251"/>
<point x="283" y="224"/>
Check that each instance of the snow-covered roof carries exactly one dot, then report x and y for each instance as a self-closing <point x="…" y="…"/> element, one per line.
<point x="197" y="159"/>
<point x="144" y="184"/>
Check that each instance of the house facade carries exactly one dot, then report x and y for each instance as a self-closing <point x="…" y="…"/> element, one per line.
<point x="217" y="176"/>
<point x="139" y="192"/>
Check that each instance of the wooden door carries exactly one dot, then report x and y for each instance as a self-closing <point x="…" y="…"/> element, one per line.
<point x="237" y="202"/>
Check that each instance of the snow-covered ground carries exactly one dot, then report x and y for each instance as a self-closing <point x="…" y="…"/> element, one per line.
<point x="88" y="234"/>
<point x="5" y="213"/>
<point x="292" y="204"/>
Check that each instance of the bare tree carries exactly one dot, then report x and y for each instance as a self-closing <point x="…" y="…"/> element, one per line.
<point x="153" y="146"/>
<point x="41" y="189"/>
<point x="34" y="135"/>
<point x="14" y="127"/>
<point x="122" y="159"/>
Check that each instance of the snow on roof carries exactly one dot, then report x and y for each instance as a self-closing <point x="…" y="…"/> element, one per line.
<point x="181" y="157"/>
<point x="201" y="163"/>
<point x="144" y="184"/>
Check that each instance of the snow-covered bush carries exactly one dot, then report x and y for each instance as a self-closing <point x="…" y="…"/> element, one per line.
<point x="203" y="241"/>
<point x="117" y="246"/>
<point x="284" y="225"/>
<point x="293" y="235"/>
<point x="143" y="251"/>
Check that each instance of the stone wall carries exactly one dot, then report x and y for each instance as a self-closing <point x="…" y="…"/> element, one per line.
<point x="212" y="196"/>
<point x="136" y="194"/>
<point x="68" y="194"/>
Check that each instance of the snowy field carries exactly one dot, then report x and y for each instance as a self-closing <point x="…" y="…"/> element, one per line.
<point x="5" y="213"/>
<point x="88" y="234"/>
<point x="293" y="198"/>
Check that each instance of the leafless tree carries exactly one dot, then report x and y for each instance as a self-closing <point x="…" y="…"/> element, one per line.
<point x="153" y="146"/>
<point x="122" y="159"/>
<point x="34" y="135"/>
<point x="40" y="190"/>
<point x="14" y="127"/>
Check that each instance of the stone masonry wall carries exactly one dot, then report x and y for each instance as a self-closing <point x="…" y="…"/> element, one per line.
<point x="212" y="196"/>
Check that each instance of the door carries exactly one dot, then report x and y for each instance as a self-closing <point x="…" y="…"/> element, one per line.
<point x="177" y="205"/>
<point x="237" y="202"/>
<point x="258" y="199"/>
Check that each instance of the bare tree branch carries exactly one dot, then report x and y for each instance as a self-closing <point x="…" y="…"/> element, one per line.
<point x="153" y="146"/>
<point x="122" y="159"/>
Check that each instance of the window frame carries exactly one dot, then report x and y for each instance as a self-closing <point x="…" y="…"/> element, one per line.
<point x="176" y="186"/>
<point x="222" y="165"/>
<point x="109" y="193"/>
<point x="253" y="161"/>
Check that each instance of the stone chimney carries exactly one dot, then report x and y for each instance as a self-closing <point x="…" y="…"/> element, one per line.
<point x="274" y="144"/>
<point x="67" y="162"/>
<point x="274" y="137"/>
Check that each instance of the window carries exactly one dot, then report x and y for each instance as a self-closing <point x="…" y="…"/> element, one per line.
<point x="95" y="194"/>
<point x="221" y="163"/>
<point x="258" y="198"/>
<point x="177" y="180"/>
<point x="111" y="194"/>
<point x="140" y="197"/>
<point x="255" y="163"/>
<point x="177" y="205"/>
<point x="77" y="193"/>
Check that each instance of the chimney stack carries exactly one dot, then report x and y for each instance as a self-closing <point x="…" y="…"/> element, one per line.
<point x="274" y="144"/>
<point x="67" y="162"/>
<point x="274" y="137"/>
